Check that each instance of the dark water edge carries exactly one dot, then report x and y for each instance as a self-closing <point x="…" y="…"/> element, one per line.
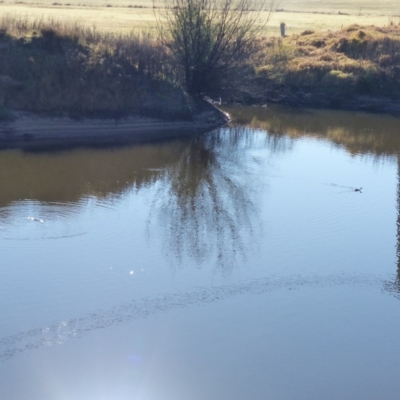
<point x="33" y="132"/>
<point x="36" y="133"/>
<point x="358" y="132"/>
<point x="276" y="95"/>
<point x="371" y="104"/>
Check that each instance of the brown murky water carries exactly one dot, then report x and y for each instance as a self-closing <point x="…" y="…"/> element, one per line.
<point x="241" y="264"/>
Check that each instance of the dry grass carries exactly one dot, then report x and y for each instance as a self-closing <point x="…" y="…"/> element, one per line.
<point x="125" y="15"/>
<point x="56" y="67"/>
<point x="106" y="19"/>
<point x="315" y="67"/>
<point x="51" y="67"/>
<point x="356" y="7"/>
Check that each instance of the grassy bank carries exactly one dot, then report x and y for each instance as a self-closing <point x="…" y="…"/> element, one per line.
<point x="356" y="67"/>
<point x="51" y="68"/>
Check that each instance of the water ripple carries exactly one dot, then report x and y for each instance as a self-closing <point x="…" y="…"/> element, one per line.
<point x="32" y="220"/>
<point x="59" y="332"/>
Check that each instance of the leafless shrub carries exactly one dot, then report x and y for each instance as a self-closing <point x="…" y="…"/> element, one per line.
<point x="209" y="39"/>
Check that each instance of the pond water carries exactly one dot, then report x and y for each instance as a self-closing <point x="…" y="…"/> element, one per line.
<point x="239" y="264"/>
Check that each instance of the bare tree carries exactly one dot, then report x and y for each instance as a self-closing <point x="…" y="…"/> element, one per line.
<point x="208" y="39"/>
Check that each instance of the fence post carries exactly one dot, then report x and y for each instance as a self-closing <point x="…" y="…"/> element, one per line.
<point x="283" y="27"/>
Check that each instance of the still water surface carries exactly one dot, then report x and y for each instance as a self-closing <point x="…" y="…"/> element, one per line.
<point x="241" y="264"/>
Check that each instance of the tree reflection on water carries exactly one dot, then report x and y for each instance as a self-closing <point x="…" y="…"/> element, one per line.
<point x="207" y="201"/>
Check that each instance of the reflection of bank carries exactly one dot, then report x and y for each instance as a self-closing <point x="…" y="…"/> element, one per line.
<point x="372" y="135"/>
<point x="397" y="283"/>
<point x="206" y="203"/>
<point x="56" y="185"/>
<point x="205" y="206"/>
<point x="359" y="133"/>
<point x="394" y="286"/>
<point x="69" y="176"/>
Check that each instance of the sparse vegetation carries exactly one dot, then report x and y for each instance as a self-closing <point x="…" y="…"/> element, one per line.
<point x="67" y="69"/>
<point x="330" y="68"/>
<point x="54" y="68"/>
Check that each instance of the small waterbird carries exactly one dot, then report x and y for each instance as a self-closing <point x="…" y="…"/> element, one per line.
<point x="358" y="190"/>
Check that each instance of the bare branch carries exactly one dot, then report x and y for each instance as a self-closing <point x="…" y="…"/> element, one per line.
<point x="208" y="38"/>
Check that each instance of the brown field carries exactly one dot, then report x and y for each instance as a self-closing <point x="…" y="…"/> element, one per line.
<point x="126" y="15"/>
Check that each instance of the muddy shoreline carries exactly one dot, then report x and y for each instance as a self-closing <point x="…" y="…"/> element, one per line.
<point x="29" y="131"/>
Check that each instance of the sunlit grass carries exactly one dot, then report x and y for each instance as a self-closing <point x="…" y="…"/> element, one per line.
<point x="318" y="67"/>
<point x="103" y="18"/>
<point x="124" y="15"/>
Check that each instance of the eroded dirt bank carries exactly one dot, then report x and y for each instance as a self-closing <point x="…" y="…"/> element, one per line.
<point x="30" y="131"/>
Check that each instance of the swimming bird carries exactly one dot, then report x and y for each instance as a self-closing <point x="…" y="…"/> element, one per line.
<point x="358" y="190"/>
